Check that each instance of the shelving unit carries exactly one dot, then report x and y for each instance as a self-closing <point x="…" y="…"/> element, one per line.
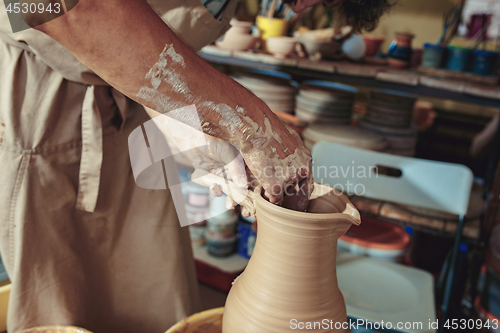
<point x="367" y="76"/>
<point x="382" y="77"/>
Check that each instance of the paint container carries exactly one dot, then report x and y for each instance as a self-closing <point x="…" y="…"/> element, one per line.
<point x="222" y="221"/>
<point x="458" y="58"/>
<point x="484" y="62"/>
<point x="197" y="234"/>
<point x="222" y="229"/>
<point x="196" y="214"/>
<point x="433" y="55"/>
<point x="246" y="236"/>
<point x="219" y="247"/>
<point x="376" y="239"/>
<point x="197" y="201"/>
<point x="196" y="195"/>
<point x="271" y="27"/>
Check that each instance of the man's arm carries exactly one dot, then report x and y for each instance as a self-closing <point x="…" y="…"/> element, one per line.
<point x="130" y="47"/>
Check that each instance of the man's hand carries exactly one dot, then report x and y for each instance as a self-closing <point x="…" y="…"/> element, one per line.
<point x="228" y="170"/>
<point x="280" y="163"/>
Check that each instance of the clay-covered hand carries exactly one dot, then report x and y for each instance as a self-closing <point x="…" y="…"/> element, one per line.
<point x="277" y="159"/>
<point x="272" y="155"/>
<point x="215" y="161"/>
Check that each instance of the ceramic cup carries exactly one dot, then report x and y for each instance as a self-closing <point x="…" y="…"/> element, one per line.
<point x="281" y="47"/>
<point x="484" y="62"/>
<point x="433" y="55"/>
<point x="458" y="58"/>
<point x="372" y="44"/>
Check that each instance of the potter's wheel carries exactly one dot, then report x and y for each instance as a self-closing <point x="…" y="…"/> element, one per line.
<point x="376" y="290"/>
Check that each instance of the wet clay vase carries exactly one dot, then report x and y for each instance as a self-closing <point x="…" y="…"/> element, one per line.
<point x="291" y="276"/>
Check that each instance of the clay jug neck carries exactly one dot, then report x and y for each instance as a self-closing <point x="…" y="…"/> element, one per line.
<point x="292" y="239"/>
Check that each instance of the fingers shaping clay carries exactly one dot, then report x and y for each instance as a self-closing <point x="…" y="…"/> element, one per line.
<point x="291" y="276"/>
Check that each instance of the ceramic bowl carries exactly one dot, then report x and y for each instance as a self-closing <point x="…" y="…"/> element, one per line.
<point x="209" y="319"/>
<point x="372" y="44"/>
<point x="354" y="47"/>
<point x="240" y="27"/>
<point x="237" y="42"/>
<point x="317" y="49"/>
<point x="281" y="47"/>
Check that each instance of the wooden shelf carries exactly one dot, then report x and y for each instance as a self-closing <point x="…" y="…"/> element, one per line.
<point x="359" y="74"/>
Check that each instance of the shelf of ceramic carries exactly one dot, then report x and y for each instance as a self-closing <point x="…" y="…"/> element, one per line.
<point x="473" y="93"/>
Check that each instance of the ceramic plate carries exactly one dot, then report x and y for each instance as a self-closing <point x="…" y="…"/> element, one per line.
<point x="390" y="106"/>
<point x="278" y="98"/>
<point x="412" y="130"/>
<point x="311" y="101"/>
<point x="346" y="135"/>
<point x="313" y="117"/>
<point x="321" y="96"/>
<point x="267" y="88"/>
<point x="331" y="87"/>
<point x="392" y="121"/>
<point x="393" y="95"/>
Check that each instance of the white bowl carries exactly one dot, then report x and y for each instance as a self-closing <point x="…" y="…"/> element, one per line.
<point x="237" y="42"/>
<point x="354" y="47"/>
<point x="281" y="47"/>
<point x="240" y="27"/>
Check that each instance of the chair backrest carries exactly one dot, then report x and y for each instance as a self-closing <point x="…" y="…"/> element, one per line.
<point x="422" y="183"/>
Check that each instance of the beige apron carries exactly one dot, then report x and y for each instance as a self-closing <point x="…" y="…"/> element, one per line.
<point x="82" y="244"/>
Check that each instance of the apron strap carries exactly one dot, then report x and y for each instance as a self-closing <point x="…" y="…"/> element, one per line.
<point x="91" y="161"/>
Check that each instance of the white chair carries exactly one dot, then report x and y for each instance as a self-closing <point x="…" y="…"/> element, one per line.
<point x="422" y="183"/>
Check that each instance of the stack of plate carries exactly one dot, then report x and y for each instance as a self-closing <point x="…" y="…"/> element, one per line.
<point x="346" y="135"/>
<point x="389" y="113"/>
<point x="274" y="88"/>
<point x="325" y="102"/>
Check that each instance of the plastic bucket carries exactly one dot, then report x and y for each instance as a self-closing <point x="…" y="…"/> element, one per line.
<point x="458" y="58"/>
<point x="246" y="237"/>
<point x="484" y="62"/>
<point x="209" y="321"/>
<point x="433" y="55"/>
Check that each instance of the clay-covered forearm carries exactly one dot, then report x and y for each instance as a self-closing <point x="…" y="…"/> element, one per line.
<point x="129" y="46"/>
